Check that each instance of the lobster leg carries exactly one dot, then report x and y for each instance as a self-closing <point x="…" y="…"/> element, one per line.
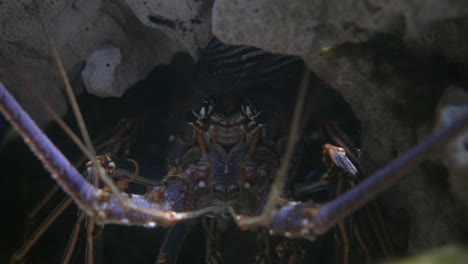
<point x="20" y="254"/>
<point x="73" y="238"/>
<point x="290" y="251"/>
<point x="213" y="253"/>
<point x="172" y="242"/>
<point x="368" y="223"/>
<point x="308" y="219"/>
<point x="104" y="206"/>
<point x="357" y="234"/>
<point x="117" y="142"/>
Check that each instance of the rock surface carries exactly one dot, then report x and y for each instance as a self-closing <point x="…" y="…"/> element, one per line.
<point x="304" y="27"/>
<point x="78" y="28"/>
<point x="99" y="73"/>
<point x="187" y="21"/>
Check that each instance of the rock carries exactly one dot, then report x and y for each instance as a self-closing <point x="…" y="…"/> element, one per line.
<point x="100" y="72"/>
<point x="302" y="27"/>
<point x="186" y="21"/>
<point x="440" y="255"/>
<point x="78" y="28"/>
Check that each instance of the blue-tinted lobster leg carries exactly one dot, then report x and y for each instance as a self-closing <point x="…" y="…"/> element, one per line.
<point x="308" y="219"/>
<point x="121" y="135"/>
<point x="105" y="207"/>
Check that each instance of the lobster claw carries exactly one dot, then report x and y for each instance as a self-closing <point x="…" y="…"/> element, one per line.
<point x="295" y="219"/>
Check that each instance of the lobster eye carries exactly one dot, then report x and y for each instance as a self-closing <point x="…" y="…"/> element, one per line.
<point x="247" y="108"/>
<point x="208" y="105"/>
<point x="248" y="112"/>
<point x="202" y="112"/>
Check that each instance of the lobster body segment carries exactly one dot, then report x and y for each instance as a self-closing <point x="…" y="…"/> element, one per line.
<point x="226" y="165"/>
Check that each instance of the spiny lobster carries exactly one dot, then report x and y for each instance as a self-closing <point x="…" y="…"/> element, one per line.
<point x="229" y="167"/>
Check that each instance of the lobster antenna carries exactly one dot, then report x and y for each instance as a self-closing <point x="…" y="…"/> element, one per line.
<point x="47" y="108"/>
<point x="281" y="175"/>
<point x="293" y="138"/>
<point x="76" y="111"/>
